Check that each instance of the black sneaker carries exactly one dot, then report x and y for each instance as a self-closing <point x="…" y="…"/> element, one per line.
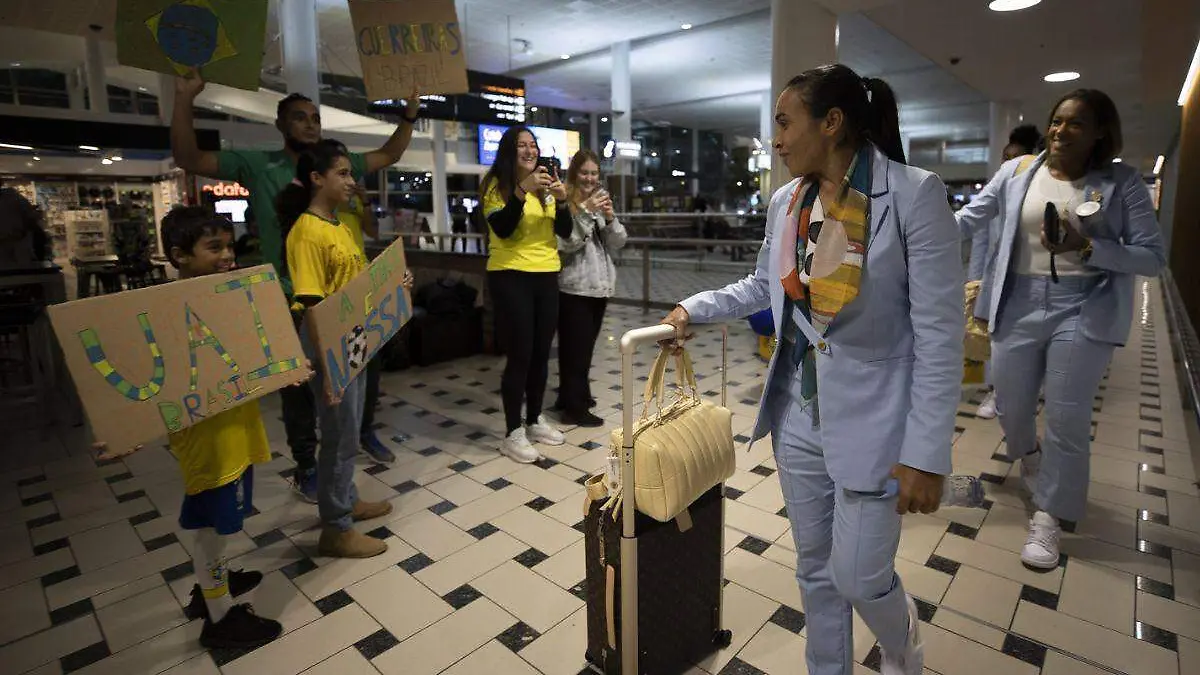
<point x="240" y="629"/>
<point x="240" y="583"/>
<point x="592" y="403"/>
<point x="582" y="419"/>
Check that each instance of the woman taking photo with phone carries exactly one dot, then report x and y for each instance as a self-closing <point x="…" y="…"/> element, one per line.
<point x="861" y="267"/>
<point x="526" y="207"/>
<point x="587" y="281"/>
<point x="1077" y="231"/>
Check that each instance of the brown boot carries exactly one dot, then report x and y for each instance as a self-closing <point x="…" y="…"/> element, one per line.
<point x="337" y="543"/>
<point x="368" y="510"/>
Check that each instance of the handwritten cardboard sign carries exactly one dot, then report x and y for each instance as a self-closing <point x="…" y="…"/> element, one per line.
<point x="161" y="359"/>
<point x="350" y="326"/>
<point x="223" y="38"/>
<point x="404" y="44"/>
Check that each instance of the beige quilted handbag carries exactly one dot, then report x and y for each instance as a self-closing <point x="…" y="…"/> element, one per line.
<point x="681" y="450"/>
<point x="977" y="343"/>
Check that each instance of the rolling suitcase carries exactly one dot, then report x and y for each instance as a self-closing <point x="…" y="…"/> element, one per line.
<point x="665" y="579"/>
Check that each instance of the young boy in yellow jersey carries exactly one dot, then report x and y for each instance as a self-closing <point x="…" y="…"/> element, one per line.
<point x="217" y="458"/>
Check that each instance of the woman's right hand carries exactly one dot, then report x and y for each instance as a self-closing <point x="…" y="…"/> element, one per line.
<point x="537" y="181"/>
<point x="678" y="318"/>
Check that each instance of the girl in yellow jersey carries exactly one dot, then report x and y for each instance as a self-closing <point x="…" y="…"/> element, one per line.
<point x="322" y="257"/>
<point x="526" y="206"/>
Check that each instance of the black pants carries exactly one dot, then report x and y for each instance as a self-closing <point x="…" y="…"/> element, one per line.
<point x="374" y="369"/>
<point x="526" y="306"/>
<point x="579" y="320"/>
<point x="300" y="420"/>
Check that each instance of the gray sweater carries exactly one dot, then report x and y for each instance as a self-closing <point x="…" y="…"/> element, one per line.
<point x="587" y="265"/>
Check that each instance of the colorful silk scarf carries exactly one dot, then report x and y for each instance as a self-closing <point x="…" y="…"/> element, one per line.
<point x="822" y="253"/>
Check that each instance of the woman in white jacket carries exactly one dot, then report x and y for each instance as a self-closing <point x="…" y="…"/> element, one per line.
<point x="588" y="279"/>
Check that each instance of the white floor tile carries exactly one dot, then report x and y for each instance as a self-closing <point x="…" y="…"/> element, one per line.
<point x="48" y="645"/>
<point x="22" y="611"/>
<point x="560" y="651"/>
<point x="105" y="545"/>
<point x="307" y="646"/>
<point x="335" y="574"/>
<point x="526" y="595"/>
<point x="539" y="531"/>
<point x="402" y="604"/>
<point x="346" y="662"/>
<point x="431" y="534"/>
<point x="446" y="642"/>
<point x="140" y="618"/>
<point x="469" y="563"/>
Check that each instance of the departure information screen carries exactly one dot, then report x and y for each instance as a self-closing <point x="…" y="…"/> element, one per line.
<point x="493" y="99"/>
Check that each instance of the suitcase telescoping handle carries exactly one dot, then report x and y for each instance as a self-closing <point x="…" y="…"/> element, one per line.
<point x="630" y="342"/>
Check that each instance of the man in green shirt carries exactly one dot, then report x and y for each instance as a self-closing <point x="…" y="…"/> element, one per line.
<point x="264" y="174"/>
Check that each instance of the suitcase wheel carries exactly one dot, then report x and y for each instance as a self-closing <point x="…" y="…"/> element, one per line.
<point x="723" y="638"/>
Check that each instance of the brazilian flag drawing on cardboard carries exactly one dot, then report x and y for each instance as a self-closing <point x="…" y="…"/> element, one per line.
<point x="223" y="38"/>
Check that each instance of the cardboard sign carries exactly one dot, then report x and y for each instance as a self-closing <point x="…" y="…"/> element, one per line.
<point x="223" y="38"/>
<point x="160" y="359"/>
<point x="404" y="44"/>
<point x="351" y="325"/>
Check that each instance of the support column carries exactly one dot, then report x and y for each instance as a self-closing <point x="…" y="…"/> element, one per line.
<point x="622" y="118"/>
<point x="441" y="201"/>
<point x="1002" y="118"/>
<point x="166" y="98"/>
<point x="97" y="84"/>
<point x="803" y="36"/>
<point x="298" y="32"/>
<point x="594" y="133"/>
<point x="77" y="89"/>
<point x="695" y="162"/>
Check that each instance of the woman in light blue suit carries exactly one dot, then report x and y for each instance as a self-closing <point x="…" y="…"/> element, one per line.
<point x="862" y="270"/>
<point x="1077" y="230"/>
<point x="1021" y="141"/>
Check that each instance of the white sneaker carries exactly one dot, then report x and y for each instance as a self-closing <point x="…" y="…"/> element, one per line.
<point x="542" y="432"/>
<point x="1041" y="549"/>
<point x="987" y="409"/>
<point x="517" y="447"/>
<point x="912" y="661"/>
<point x="1031" y="466"/>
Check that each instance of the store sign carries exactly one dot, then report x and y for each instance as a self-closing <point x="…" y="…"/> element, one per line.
<point x="352" y="324"/>
<point x="158" y="360"/>
<point x="405" y="46"/>
<point x="560" y="143"/>
<point x="225" y="189"/>
<point x="490" y="99"/>
<point x="623" y="149"/>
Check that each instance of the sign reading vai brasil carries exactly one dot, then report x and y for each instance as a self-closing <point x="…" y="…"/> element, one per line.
<point x="160" y="359"/>
<point x="349" y="326"/>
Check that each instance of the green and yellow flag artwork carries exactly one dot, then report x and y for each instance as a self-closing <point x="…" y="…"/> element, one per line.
<point x="223" y="38"/>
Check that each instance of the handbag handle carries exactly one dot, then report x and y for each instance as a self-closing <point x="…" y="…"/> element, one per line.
<point x="656" y="385"/>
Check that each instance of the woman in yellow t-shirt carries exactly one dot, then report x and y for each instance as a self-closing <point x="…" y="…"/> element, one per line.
<point x="526" y="207"/>
<point x="322" y="257"/>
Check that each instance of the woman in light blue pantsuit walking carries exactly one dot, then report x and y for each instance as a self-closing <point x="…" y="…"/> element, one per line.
<point x="862" y="270"/>
<point x="1058" y="307"/>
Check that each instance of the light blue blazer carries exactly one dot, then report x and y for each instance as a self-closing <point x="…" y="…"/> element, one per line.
<point x="1126" y="242"/>
<point x="890" y="376"/>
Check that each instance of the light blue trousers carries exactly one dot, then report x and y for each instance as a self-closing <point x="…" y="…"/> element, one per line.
<point x="339" y="425"/>
<point x="845" y="541"/>
<point x="1037" y="343"/>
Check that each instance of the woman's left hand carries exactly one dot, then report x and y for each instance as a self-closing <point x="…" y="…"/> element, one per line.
<point x="920" y="491"/>
<point x="606" y="208"/>
<point x="407" y="282"/>
<point x="1074" y="241"/>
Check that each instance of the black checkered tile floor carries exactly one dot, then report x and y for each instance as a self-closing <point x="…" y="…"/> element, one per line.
<point x="484" y="569"/>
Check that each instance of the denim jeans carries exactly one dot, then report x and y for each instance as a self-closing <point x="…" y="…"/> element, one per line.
<point x="336" y="492"/>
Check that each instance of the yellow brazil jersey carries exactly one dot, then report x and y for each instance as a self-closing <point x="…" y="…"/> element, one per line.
<point x="215" y="451"/>
<point x="321" y="257"/>
<point x="533" y="246"/>
<point x="351" y="217"/>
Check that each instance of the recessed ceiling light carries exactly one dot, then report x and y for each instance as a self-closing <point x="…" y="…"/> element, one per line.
<point x="36" y="158"/>
<point x="1158" y="164"/>
<point x="1011" y="5"/>
<point x="564" y="57"/>
<point x="686" y="26"/>
<point x="89" y="147"/>
<point x="16" y="64"/>
<point x="142" y="89"/>
<point x="117" y="158"/>
<point x="533" y="109"/>
<point x="106" y="161"/>
<point x="1116" y="160"/>
<point x="603" y="119"/>
<point x="12" y="146"/>
<point x="1065" y="76"/>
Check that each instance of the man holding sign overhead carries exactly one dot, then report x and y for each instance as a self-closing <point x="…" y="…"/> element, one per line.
<point x="265" y="173"/>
